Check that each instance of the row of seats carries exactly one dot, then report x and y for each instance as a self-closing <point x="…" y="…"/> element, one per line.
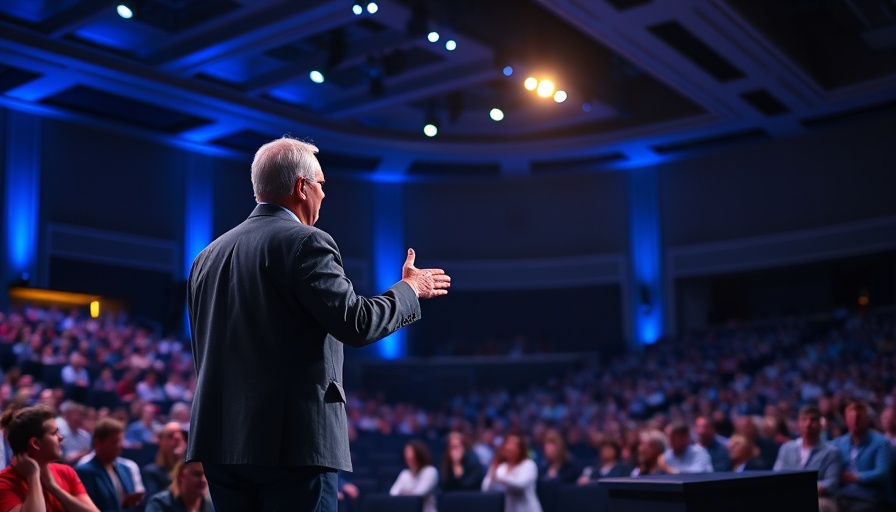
<point x="553" y="497"/>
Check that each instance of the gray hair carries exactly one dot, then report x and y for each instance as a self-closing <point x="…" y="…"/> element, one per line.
<point x="654" y="437"/>
<point x="277" y="166"/>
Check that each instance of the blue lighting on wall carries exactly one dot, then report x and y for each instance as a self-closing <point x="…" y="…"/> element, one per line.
<point x="22" y="193"/>
<point x="647" y="293"/>
<point x="389" y="253"/>
<point x="198" y="209"/>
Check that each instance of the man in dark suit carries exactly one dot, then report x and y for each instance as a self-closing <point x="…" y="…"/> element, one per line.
<point x="109" y="483"/>
<point x="270" y="307"/>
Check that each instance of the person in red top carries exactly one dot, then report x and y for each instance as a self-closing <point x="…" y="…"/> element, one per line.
<point x="33" y="482"/>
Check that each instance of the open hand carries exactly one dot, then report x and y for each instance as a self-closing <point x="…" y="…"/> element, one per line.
<point x="427" y="282"/>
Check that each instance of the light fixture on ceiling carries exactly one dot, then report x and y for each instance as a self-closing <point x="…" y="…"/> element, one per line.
<point x="372" y="7"/>
<point x="508" y="70"/>
<point x="531" y="83"/>
<point x="125" y="10"/>
<point x="357" y="8"/>
<point x="560" y="96"/>
<point x="316" y="76"/>
<point x="496" y="114"/>
<point x="451" y="45"/>
<point x="545" y="88"/>
<point x="432" y="37"/>
<point x="431" y="120"/>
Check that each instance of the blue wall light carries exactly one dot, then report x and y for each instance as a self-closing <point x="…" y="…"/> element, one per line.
<point x="22" y="194"/>
<point x="389" y="253"/>
<point x="647" y="281"/>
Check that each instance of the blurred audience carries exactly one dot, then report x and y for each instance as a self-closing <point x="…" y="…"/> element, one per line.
<point x="609" y="463"/>
<point x="109" y="483"/>
<point x="713" y="443"/>
<point x="651" y="446"/>
<point x="744" y="454"/>
<point x="172" y="446"/>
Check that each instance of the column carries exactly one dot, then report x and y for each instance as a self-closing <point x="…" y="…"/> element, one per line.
<point x="389" y="253"/>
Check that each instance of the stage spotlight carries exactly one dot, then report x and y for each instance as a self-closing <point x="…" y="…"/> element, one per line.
<point x="372" y="7"/>
<point x="560" y="96"/>
<point x="430" y="130"/>
<point x="125" y="10"/>
<point x="545" y="88"/>
<point x="531" y="83"/>
<point x="496" y="114"/>
<point x="316" y="77"/>
<point x="508" y="70"/>
<point x="433" y="36"/>
<point x="450" y="45"/>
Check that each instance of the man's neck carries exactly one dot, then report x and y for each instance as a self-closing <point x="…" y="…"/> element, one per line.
<point x="191" y="503"/>
<point x="858" y="436"/>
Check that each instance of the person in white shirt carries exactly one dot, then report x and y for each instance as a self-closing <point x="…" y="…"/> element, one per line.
<point x="513" y="472"/>
<point x="682" y="456"/>
<point x="420" y="478"/>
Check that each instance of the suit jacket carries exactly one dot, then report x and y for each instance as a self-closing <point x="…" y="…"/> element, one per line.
<point x="270" y="307"/>
<point x="823" y="458"/>
<point x="873" y="462"/>
<point x="99" y="484"/>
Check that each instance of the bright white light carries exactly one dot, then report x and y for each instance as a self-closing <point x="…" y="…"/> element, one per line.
<point x="531" y="83"/>
<point x="433" y="36"/>
<point x="508" y="70"/>
<point x="430" y="130"/>
<point x="450" y="45"/>
<point x="545" y="88"/>
<point x="372" y="7"/>
<point x="124" y="11"/>
<point x="496" y="114"/>
<point x="357" y="9"/>
<point x="316" y="77"/>
<point x="560" y="96"/>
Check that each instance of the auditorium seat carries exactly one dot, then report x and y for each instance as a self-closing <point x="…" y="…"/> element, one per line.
<point x="472" y="501"/>
<point x="386" y="503"/>
<point x="547" y="495"/>
<point x="582" y="498"/>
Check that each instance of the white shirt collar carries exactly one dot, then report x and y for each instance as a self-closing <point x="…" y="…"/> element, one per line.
<point x="285" y="209"/>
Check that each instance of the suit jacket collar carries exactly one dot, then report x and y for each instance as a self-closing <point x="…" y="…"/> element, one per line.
<point x="124" y="474"/>
<point x="271" y="210"/>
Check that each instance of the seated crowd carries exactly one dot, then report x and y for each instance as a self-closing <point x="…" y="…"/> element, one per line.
<point x="791" y="395"/>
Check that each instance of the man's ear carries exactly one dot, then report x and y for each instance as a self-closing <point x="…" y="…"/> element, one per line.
<point x="34" y="444"/>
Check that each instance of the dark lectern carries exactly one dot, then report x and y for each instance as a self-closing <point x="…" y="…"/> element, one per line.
<point x="754" y="491"/>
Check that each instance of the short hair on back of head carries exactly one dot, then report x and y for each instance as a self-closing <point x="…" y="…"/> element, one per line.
<point x="810" y="410"/>
<point x="21" y="425"/>
<point x="278" y="164"/>
<point x="107" y="427"/>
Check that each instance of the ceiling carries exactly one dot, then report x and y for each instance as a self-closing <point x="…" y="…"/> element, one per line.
<point x="646" y="80"/>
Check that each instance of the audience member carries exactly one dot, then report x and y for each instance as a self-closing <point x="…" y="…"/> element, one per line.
<point x="33" y="481"/>
<point x="172" y="446"/>
<point x="145" y="429"/>
<point x="651" y="445"/>
<point x="557" y="466"/>
<point x="865" y="482"/>
<point x="682" y="456"/>
<point x="188" y="491"/>
<point x="888" y="424"/>
<point x="713" y="443"/>
<point x="109" y="483"/>
<point x="748" y="427"/>
<point x="76" y="378"/>
<point x="744" y="454"/>
<point x="811" y="452"/>
<point x="461" y="470"/>
<point x="610" y="464"/>
<point x="514" y="473"/>
<point x="420" y="478"/>
<point x="76" y="440"/>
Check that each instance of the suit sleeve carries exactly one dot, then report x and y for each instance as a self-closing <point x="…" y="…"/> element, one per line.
<point x="324" y="289"/>
<point x="829" y="472"/>
<point x="883" y="461"/>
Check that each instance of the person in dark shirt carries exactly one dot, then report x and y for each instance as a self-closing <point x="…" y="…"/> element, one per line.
<point x="461" y="470"/>
<point x="188" y="491"/>
<point x="610" y="464"/>
<point x="557" y="465"/>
